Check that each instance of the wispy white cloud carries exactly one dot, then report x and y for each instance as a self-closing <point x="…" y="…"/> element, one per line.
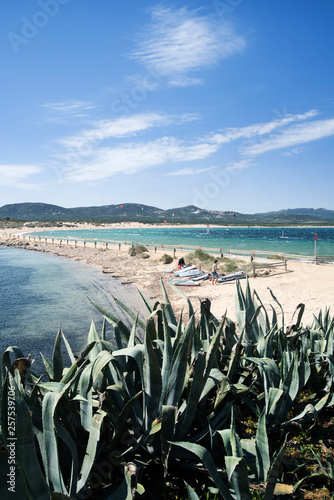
<point x="294" y="151"/>
<point x="69" y="106"/>
<point x="61" y="112"/>
<point x="191" y="171"/>
<point x="293" y="136"/>
<point x="239" y="165"/>
<point x="129" y="126"/>
<point x="180" y="41"/>
<point x="16" y="175"/>
<point x="259" y="129"/>
<point x="105" y="149"/>
<point x="130" y="158"/>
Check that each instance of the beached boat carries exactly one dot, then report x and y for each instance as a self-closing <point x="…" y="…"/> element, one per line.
<point x="184" y="269"/>
<point x="193" y="273"/>
<point x="186" y="283"/>
<point x="202" y="277"/>
<point x="231" y="277"/>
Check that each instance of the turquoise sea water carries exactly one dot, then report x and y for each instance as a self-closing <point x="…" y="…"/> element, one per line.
<point x="40" y="293"/>
<point x="287" y="240"/>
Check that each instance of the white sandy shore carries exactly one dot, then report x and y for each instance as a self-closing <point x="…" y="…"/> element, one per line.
<point x="305" y="283"/>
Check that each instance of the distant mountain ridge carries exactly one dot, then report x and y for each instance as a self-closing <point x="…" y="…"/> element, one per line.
<point x="44" y="212"/>
<point x="314" y="212"/>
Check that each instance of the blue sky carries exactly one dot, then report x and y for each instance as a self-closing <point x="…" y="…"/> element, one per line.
<point x="227" y="104"/>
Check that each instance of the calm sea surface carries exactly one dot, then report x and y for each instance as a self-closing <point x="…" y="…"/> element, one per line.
<point x="40" y="293"/>
<point x="287" y="240"/>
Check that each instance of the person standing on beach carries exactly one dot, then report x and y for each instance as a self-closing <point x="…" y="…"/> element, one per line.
<point x="214" y="273"/>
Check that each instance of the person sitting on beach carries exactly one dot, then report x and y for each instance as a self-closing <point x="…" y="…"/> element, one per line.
<point x="181" y="263"/>
<point x="214" y="273"/>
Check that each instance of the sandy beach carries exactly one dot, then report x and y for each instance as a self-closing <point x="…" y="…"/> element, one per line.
<point x="305" y="283"/>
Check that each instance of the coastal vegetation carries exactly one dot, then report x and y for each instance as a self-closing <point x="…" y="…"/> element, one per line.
<point x="225" y="265"/>
<point x="205" y="409"/>
<point x="139" y="250"/>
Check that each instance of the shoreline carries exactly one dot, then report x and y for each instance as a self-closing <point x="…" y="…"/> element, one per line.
<point x="303" y="282"/>
<point x="136" y="225"/>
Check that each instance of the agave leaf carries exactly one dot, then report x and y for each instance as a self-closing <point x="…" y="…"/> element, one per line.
<point x="68" y="348"/>
<point x="78" y="365"/>
<point x="178" y="371"/>
<point x="273" y="473"/>
<point x="48" y="366"/>
<point x="129" y="312"/>
<point x="166" y="360"/>
<point x="300" y="308"/>
<point x="205" y="457"/>
<point x="191" y="493"/>
<point x="85" y="391"/>
<point x="94" y="436"/>
<point x="214" y="379"/>
<point x="196" y="387"/>
<point x="104" y="329"/>
<point x="262" y="449"/>
<point x="149" y="307"/>
<point x="152" y="382"/>
<point x="181" y="294"/>
<point x="235" y="356"/>
<point x="231" y="464"/>
<point x="269" y="367"/>
<point x="118" y="337"/>
<point x="273" y="398"/>
<point x="264" y="321"/>
<point x="67" y="439"/>
<point x="136" y="353"/>
<point x="50" y="445"/>
<point x="132" y="339"/>
<point x="57" y="361"/>
<point x="290" y="386"/>
<point x="168" y="421"/>
<point x="167" y="305"/>
<point x="113" y="321"/>
<point x="279" y="305"/>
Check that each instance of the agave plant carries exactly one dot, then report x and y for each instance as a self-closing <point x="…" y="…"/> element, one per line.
<point x="166" y="400"/>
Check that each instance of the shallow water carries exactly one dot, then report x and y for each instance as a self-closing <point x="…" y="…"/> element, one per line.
<point x="298" y="241"/>
<point x="39" y="293"/>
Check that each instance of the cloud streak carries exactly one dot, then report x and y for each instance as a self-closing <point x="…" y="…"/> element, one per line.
<point x="293" y="136"/>
<point x="15" y="175"/>
<point x="131" y="158"/>
<point x="112" y="147"/>
<point x="180" y="41"/>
